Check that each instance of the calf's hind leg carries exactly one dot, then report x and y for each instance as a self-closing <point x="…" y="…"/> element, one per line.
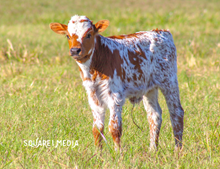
<point x="154" y="115"/>
<point x="115" y="125"/>
<point x="171" y="94"/>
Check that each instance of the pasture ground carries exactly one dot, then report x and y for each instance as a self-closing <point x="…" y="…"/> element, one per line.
<point x="42" y="97"/>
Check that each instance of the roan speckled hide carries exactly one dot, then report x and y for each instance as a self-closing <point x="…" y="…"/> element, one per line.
<point x="130" y="66"/>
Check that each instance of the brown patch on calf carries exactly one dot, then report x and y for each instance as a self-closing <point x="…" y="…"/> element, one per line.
<point x="116" y="131"/>
<point x="104" y="62"/>
<point x="123" y="74"/>
<point x="135" y="60"/>
<point x="135" y="77"/>
<point x="141" y="53"/>
<point x="134" y="35"/>
<point x="73" y="41"/>
<point x="84" y="59"/>
<point x="84" y="20"/>
<point x="123" y="36"/>
<point x="94" y="97"/>
<point x="160" y="30"/>
<point x="96" y="73"/>
<point x="97" y="135"/>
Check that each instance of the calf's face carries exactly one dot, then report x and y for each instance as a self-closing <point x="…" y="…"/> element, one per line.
<point x="80" y="33"/>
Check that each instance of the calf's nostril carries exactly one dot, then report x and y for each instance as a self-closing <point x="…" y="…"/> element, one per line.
<point x="78" y="51"/>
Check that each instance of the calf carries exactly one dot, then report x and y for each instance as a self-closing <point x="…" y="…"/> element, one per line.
<point x="130" y="66"/>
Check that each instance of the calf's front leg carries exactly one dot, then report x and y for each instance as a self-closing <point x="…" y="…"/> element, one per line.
<point x="115" y="125"/>
<point x="98" y="126"/>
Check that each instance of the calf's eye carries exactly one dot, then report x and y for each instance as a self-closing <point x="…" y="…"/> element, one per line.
<point x="67" y="36"/>
<point x="88" y="36"/>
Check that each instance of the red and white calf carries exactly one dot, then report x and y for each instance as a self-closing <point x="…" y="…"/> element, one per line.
<point x="130" y="66"/>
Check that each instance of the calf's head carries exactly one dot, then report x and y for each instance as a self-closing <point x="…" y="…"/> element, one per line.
<point x="80" y="33"/>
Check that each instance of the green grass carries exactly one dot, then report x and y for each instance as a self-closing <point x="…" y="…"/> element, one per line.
<point x="41" y="93"/>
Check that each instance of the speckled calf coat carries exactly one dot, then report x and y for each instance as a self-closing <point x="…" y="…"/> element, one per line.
<point x="130" y="66"/>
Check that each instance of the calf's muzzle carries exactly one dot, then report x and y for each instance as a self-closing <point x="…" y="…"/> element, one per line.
<point x="75" y="51"/>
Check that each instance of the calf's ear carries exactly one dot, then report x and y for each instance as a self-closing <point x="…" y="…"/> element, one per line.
<point x="59" y="28"/>
<point x="101" y="25"/>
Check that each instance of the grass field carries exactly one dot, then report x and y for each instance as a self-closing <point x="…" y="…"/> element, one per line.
<point x="42" y="97"/>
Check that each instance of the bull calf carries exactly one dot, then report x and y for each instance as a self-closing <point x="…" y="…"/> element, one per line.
<point x="130" y="66"/>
